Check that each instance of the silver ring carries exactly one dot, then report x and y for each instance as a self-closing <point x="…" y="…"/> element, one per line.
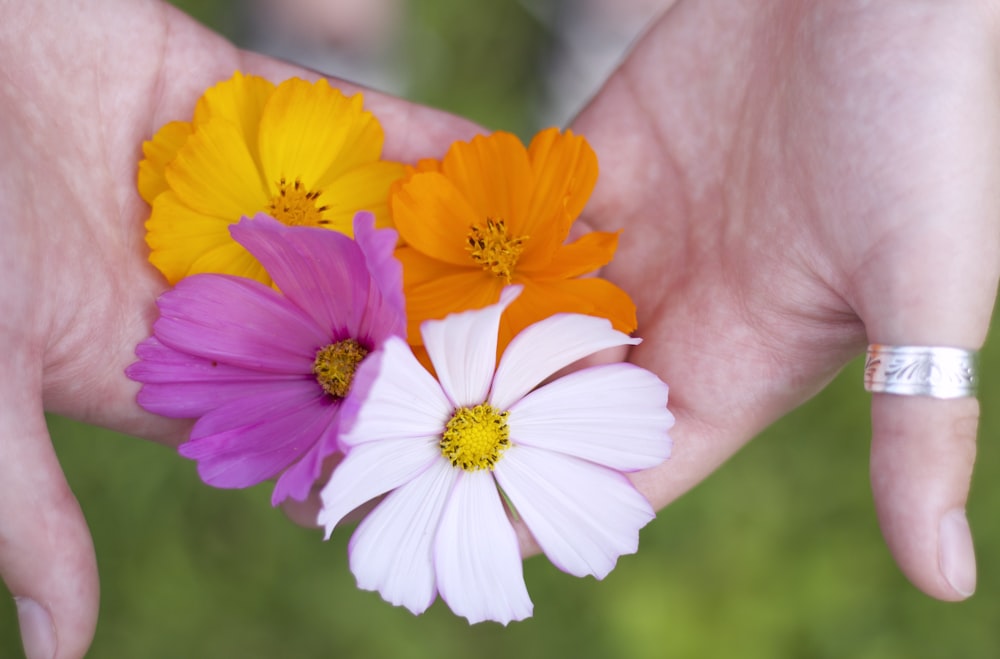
<point x="921" y="371"/>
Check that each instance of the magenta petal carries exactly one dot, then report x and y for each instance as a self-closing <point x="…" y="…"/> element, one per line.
<point x="297" y="481"/>
<point x="252" y="439"/>
<point x="183" y="386"/>
<point x="389" y="306"/>
<point x="324" y="272"/>
<point x="239" y="322"/>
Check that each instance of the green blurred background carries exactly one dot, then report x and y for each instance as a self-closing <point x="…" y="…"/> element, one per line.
<point x="778" y="554"/>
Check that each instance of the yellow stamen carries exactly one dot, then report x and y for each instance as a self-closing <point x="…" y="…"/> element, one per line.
<point x="475" y="437"/>
<point x="294" y="205"/>
<point x="336" y="364"/>
<point x="493" y="248"/>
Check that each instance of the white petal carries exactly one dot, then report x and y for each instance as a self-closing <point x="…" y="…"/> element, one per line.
<point x="397" y="397"/>
<point x="391" y="550"/>
<point x="543" y="348"/>
<point x="583" y="516"/>
<point x="372" y="469"/>
<point x="463" y="349"/>
<point x="476" y="555"/>
<point x="615" y="415"/>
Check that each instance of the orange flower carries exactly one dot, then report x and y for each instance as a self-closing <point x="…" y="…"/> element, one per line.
<point x="494" y="213"/>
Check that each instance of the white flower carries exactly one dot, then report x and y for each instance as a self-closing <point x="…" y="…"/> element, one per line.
<point x="444" y="449"/>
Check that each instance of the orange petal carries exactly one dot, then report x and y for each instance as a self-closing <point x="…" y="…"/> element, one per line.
<point x="418" y="268"/>
<point x="215" y="174"/>
<point x="592" y="296"/>
<point x="158" y="153"/>
<point x="564" y="170"/>
<point x="494" y="174"/>
<point x="433" y="217"/>
<point x="584" y="255"/>
<point x="313" y="132"/>
<point x="433" y="292"/>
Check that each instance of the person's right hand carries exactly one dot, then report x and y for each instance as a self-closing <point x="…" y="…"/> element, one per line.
<point x="795" y="180"/>
<point x="81" y="87"/>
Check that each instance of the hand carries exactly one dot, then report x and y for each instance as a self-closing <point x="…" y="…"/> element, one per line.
<point x="80" y="89"/>
<point x="796" y="180"/>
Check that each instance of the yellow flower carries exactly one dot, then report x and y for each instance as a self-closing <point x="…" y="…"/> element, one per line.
<point x="301" y="152"/>
<point x="493" y="213"/>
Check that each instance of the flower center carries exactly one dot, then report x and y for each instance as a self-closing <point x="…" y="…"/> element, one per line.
<point x="335" y="366"/>
<point x="493" y="248"/>
<point x="475" y="437"/>
<point x="294" y="205"/>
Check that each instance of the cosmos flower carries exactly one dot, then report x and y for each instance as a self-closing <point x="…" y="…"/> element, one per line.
<point x="301" y="152"/>
<point x="268" y="374"/>
<point x="460" y="453"/>
<point x="493" y="213"/>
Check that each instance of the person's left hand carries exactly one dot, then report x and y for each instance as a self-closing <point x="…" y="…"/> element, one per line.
<point x="81" y="87"/>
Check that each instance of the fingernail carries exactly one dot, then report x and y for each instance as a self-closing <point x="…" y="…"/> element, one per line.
<point x="955" y="553"/>
<point x="37" y="633"/>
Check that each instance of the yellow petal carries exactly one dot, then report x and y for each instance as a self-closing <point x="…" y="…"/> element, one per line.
<point x="364" y="188"/>
<point x="312" y="132"/>
<point x="214" y="173"/>
<point x="158" y="152"/>
<point x="432" y="215"/>
<point x="240" y="100"/>
<point x="232" y="259"/>
<point x="178" y="237"/>
<point x="493" y="173"/>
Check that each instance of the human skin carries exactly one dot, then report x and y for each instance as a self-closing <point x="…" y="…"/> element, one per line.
<point x="820" y="175"/>
<point x="800" y="164"/>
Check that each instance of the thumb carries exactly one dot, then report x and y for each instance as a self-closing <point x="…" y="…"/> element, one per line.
<point x="46" y="554"/>
<point x="933" y="288"/>
<point x="923" y="448"/>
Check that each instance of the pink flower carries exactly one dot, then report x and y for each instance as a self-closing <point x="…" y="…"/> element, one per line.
<point x="459" y="453"/>
<point x="268" y="374"/>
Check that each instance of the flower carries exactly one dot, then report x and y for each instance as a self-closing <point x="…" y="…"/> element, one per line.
<point x="268" y="374"/>
<point x="493" y="213"/>
<point x="450" y="452"/>
<point x="302" y="152"/>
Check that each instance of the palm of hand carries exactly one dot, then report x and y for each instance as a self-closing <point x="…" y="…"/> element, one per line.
<point x="75" y="115"/>
<point x="796" y="181"/>
<point x="788" y="177"/>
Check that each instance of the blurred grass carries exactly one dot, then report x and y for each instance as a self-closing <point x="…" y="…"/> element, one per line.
<point x="778" y="554"/>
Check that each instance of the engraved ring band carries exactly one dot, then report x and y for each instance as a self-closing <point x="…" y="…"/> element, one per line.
<point x="936" y="372"/>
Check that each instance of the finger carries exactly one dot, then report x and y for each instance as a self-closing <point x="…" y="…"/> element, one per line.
<point x="933" y="282"/>
<point x="923" y="449"/>
<point x="46" y="554"/>
<point x="921" y="465"/>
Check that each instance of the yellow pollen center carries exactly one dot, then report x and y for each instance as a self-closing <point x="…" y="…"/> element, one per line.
<point x="475" y="437"/>
<point x="294" y="205"/>
<point x="493" y="248"/>
<point x="335" y="366"/>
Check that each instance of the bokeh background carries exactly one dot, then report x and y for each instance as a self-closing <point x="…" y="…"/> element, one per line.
<point x="778" y="554"/>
